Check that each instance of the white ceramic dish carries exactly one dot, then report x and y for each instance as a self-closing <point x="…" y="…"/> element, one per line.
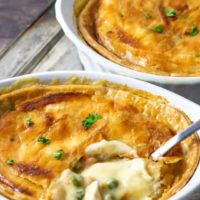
<point x="64" y="15"/>
<point x="190" y="91"/>
<point x="190" y="108"/>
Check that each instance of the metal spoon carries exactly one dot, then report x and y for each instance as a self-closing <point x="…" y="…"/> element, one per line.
<point x="175" y="140"/>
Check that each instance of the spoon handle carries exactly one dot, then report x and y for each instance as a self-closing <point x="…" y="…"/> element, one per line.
<point x="175" y="140"/>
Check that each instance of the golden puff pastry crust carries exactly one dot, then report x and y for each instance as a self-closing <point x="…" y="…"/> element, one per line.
<point x="152" y="36"/>
<point x="137" y="118"/>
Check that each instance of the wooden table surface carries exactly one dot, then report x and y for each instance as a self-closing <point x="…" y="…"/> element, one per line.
<point x="16" y="16"/>
<point x="43" y="47"/>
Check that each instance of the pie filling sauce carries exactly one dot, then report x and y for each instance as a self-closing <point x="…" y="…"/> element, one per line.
<point x="110" y="170"/>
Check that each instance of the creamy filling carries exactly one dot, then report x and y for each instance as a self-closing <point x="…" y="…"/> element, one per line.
<point x="133" y="179"/>
<point x="118" y="178"/>
<point x="107" y="149"/>
<point x="69" y="187"/>
<point x="93" y="192"/>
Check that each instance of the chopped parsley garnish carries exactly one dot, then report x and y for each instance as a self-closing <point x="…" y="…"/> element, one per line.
<point x="58" y="154"/>
<point x="29" y="121"/>
<point x="10" y="162"/>
<point x="80" y="193"/>
<point x="147" y="15"/>
<point x="162" y="8"/>
<point x="113" y="184"/>
<point x="43" y="140"/>
<point x="171" y="13"/>
<point x="158" y="29"/>
<point x="121" y="14"/>
<point x="194" y="31"/>
<point x="197" y="55"/>
<point x="91" y="119"/>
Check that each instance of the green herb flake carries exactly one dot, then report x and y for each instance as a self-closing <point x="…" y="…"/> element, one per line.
<point x="162" y="8"/>
<point x="158" y="29"/>
<point x="10" y="162"/>
<point x="197" y="55"/>
<point x="194" y="31"/>
<point x="43" y="140"/>
<point x="113" y="184"/>
<point x="147" y="15"/>
<point x="80" y="194"/>
<point x="121" y="14"/>
<point x="58" y="154"/>
<point x="171" y="13"/>
<point x="29" y="121"/>
<point x="91" y="119"/>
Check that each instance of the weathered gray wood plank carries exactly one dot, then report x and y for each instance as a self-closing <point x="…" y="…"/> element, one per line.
<point x="31" y="47"/>
<point x="16" y="17"/>
<point x="63" y="56"/>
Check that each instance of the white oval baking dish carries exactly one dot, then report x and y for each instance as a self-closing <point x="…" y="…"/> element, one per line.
<point x="190" y="108"/>
<point x="64" y="15"/>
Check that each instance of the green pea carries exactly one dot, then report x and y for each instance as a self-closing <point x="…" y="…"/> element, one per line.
<point x="113" y="184"/>
<point x="80" y="194"/>
<point x="77" y="181"/>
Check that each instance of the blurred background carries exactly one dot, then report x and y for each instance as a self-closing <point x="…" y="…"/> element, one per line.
<point x="17" y="16"/>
